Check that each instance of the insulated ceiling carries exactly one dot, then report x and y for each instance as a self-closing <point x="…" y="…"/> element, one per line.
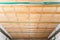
<point x="29" y="21"/>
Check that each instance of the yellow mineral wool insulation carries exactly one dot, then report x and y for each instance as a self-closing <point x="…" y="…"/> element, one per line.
<point x="49" y="9"/>
<point x="23" y="17"/>
<point x="29" y="17"/>
<point x="28" y="9"/>
<point x="11" y="17"/>
<point x="34" y="17"/>
<point x="56" y="17"/>
<point x="3" y="17"/>
<point x="58" y="9"/>
<point x="36" y="9"/>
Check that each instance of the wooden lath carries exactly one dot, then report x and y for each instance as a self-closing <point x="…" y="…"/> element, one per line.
<point x="29" y="35"/>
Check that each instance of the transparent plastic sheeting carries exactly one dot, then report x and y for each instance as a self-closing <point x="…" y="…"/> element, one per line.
<point x="58" y="27"/>
<point x="4" y="30"/>
<point x="29" y="2"/>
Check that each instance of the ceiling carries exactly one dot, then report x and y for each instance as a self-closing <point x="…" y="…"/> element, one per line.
<point x="29" y="21"/>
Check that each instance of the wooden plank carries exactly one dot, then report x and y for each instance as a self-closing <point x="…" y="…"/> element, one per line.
<point x="19" y="30"/>
<point x="18" y="35"/>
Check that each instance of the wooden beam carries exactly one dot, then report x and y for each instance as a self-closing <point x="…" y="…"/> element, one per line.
<point x="27" y="22"/>
<point x="30" y="12"/>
